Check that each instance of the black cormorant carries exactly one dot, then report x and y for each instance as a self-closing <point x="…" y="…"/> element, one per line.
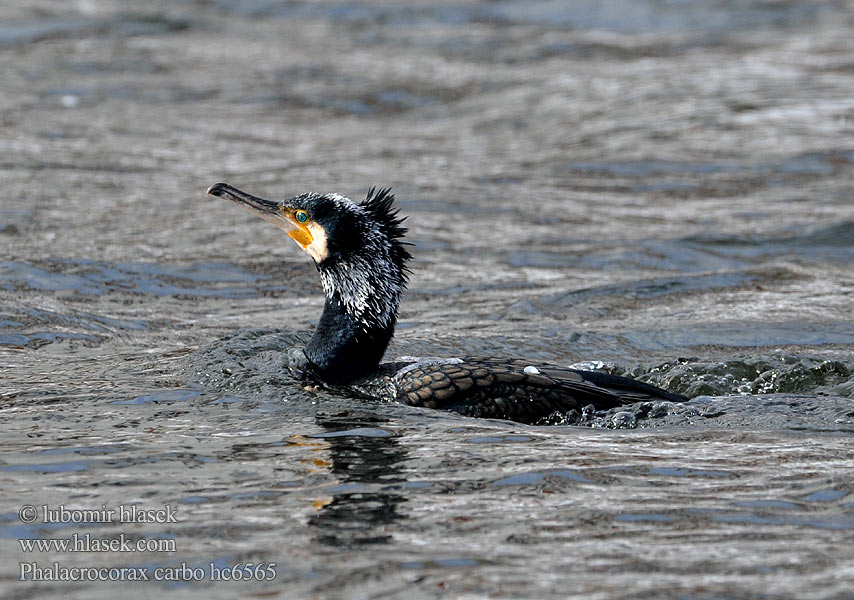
<point x="361" y="258"/>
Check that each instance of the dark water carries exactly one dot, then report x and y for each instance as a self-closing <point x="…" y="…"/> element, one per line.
<point x="661" y="189"/>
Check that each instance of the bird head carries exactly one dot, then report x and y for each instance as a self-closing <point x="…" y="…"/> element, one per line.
<point x="357" y="247"/>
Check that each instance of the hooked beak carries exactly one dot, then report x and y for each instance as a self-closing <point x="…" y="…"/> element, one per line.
<point x="275" y="213"/>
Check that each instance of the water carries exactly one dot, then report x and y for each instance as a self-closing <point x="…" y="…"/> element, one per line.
<point x="658" y="189"/>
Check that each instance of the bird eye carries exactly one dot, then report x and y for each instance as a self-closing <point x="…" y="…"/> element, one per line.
<point x="302" y="216"/>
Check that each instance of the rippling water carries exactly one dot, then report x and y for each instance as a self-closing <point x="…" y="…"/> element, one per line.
<point x="658" y="189"/>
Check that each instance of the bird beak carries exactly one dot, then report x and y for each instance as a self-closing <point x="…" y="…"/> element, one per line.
<point x="278" y="214"/>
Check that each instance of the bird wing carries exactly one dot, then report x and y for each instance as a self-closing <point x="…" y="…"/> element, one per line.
<point x="516" y="390"/>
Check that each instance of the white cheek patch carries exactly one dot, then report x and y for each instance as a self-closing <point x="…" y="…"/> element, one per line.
<point x="317" y="249"/>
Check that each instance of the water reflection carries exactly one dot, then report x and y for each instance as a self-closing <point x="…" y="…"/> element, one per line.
<point x="365" y="459"/>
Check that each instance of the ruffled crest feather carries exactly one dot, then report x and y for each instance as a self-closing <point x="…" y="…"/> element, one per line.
<point x="379" y="204"/>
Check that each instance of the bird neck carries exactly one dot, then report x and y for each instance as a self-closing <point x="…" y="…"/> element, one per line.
<point x="343" y="348"/>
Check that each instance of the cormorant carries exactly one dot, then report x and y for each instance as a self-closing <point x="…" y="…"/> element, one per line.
<point x="362" y="261"/>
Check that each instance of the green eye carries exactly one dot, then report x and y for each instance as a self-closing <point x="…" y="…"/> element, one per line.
<point x="302" y="216"/>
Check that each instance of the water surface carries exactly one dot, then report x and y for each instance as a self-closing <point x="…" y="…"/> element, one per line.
<point x="658" y="189"/>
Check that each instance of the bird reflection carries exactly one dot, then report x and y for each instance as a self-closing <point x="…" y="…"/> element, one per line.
<point x="365" y="463"/>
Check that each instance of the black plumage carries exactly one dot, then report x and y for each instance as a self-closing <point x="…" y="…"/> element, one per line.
<point x="362" y="261"/>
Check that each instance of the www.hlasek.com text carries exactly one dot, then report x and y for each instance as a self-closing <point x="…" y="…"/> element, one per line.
<point x="89" y="543"/>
